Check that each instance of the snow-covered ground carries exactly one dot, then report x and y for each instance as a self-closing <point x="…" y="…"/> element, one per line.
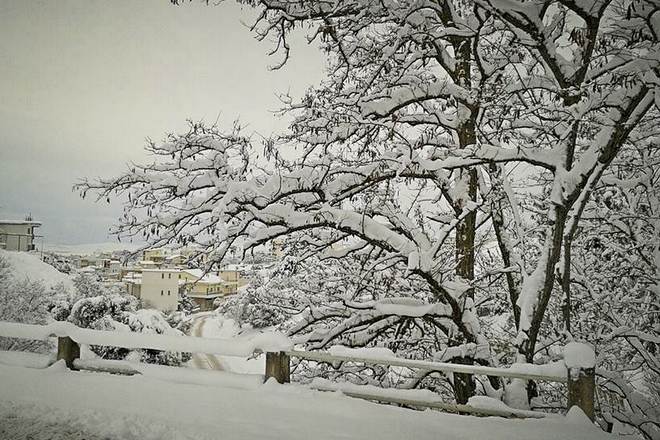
<point x="15" y="426"/>
<point x="29" y="265"/>
<point x="98" y="405"/>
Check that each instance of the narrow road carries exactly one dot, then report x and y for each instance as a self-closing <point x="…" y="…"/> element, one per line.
<point x="203" y="361"/>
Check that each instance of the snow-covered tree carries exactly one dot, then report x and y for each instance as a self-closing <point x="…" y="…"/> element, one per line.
<point x="322" y="303"/>
<point x="615" y="284"/>
<point x="443" y="128"/>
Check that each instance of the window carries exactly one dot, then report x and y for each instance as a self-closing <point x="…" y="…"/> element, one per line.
<point x="162" y="275"/>
<point x="179" y="276"/>
<point x="168" y="293"/>
<point x="161" y="293"/>
<point x="169" y="276"/>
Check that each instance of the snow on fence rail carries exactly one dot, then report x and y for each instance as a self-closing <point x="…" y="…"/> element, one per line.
<point x="577" y="369"/>
<point x="554" y="372"/>
<point x="427" y="399"/>
<point x="246" y="346"/>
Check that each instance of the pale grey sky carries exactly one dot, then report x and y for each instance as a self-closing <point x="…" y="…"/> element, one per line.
<point x="84" y="82"/>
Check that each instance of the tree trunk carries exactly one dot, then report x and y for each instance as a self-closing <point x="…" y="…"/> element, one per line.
<point x="566" y="285"/>
<point x="554" y="241"/>
<point x="464" y="385"/>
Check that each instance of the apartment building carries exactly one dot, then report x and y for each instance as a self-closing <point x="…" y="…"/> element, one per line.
<point x="18" y="235"/>
<point x="159" y="288"/>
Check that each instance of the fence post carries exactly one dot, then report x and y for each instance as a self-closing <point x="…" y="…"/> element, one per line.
<point x="581" y="388"/>
<point x="580" y="360"/>
<point x="278" y="366"/>
<point x="69" y="350"/>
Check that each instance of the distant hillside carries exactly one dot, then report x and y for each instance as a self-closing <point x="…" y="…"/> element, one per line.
<point x="27" y="265"/>
<point x="90" y="248"/>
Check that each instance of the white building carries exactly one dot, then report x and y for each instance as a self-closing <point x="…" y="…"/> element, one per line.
<point x="18" y="235"/>
<point x="111" y="268"/>
<point x="159" y="288"/>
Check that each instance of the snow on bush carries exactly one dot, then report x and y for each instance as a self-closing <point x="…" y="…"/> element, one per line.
<point x="83" y="301"/>
<point x="25" y="265"/>
<point x="25" y="300"/>
<point x="98" y="307"/>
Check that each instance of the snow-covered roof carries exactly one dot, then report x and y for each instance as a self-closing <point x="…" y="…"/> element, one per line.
<point x="20" y="222"/>
<point x="213" y="296"/>
<point x="164" y="269"/>
<point x="203" y="278"/>
<point x="197" y="273"/>
<point x="235" y="267"/>
<point x="130" y="280"/>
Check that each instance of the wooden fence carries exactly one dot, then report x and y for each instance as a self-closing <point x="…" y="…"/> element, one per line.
<point x="580" y="381"/>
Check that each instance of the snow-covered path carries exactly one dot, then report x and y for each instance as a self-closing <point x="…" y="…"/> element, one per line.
<point x="204" y="360"/>
<point x="214" y="325"/>
<point x="145" y="408"/>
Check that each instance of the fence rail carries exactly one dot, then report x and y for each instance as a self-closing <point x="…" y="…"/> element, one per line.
<point x="279" y="351"/>
<point x="524" y="372"/>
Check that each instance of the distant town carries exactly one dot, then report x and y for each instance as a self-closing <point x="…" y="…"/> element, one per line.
<point x="161" y="278"/>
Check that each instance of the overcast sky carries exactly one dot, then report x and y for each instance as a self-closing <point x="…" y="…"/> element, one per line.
<point x="84" y="82"/>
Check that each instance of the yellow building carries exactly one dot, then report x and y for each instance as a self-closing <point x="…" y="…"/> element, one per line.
<point x="155" y="255"/>
<point x="232" y="275"/>
<point x="205" y="288"/>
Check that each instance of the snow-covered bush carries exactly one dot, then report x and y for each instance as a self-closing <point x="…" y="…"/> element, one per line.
<point x="101" y="307"/>
<point x="154" y="322"/>
<point x="91" y="304"/>
<point x="26" y="301"/>
<point x="186" y="304"/>
<point x="62" y="263"/>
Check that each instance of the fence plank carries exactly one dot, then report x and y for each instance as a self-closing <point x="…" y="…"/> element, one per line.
<point x="240" y="347"/>
<point x="450" y="407"/>
<point x="428" y="366"/>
